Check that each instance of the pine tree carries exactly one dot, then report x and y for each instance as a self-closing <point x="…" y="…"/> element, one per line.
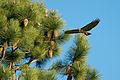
<point x="28" y="31"/>
<point x="74" y="66"/>
<point x="31" y="33"/>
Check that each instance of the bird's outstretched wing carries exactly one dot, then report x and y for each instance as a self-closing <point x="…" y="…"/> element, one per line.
<point x="72" y="31"/>
<point x="91" y="25"/>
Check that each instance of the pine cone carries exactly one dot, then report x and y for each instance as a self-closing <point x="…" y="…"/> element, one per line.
<point x="25" y="23"/>
<point x="46" y="12"/>
<point x="68" y="69"/>
<point x="1" y="49"/>
<point x="56" y="34"/>
<point x="50" y="53"/>
<point x="48" y="34"/>
<point x="52" y="44"/>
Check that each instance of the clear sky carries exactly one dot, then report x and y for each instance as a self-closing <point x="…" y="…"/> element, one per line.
<point x="104" y="54"/>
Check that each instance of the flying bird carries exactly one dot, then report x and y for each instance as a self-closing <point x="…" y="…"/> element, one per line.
<point x="84" y="29"/>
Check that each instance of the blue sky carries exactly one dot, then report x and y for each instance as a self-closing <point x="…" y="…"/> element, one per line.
<point x="104" y="54"/>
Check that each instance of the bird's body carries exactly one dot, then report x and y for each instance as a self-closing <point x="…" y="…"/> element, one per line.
<point x="79" y="30"/>
<point x="85" y="28"/>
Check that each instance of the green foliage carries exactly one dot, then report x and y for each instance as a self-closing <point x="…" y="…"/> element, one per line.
<point x="59" y="66"/>
<point x="5" y="73"/>
<point x="3" y="21"/>
<point x="14" y="56"/>
<point x="52" y="21"/>
<point x="22" y="39"/>
<point x="80" y="49"/>
<point x="92" y="74"/>
<point x="62" y="38"/>
<point x="37" y="74"/>
<point x="75" y="61"/>
<point x="27" y="39"/>
<point x="33" y="41"/>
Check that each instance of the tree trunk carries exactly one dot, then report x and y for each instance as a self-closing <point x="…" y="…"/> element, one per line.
<point x="14" y="75"/>
<point x="4" y="50"/>
<point x="69" y="77"/>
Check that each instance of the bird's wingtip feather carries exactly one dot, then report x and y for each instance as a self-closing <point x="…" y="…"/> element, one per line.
<point x="97" y="19"/>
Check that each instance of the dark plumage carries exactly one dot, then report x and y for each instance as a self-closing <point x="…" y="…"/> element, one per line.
<point x="91" y="25"/>
<point x="85" y="28"/>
